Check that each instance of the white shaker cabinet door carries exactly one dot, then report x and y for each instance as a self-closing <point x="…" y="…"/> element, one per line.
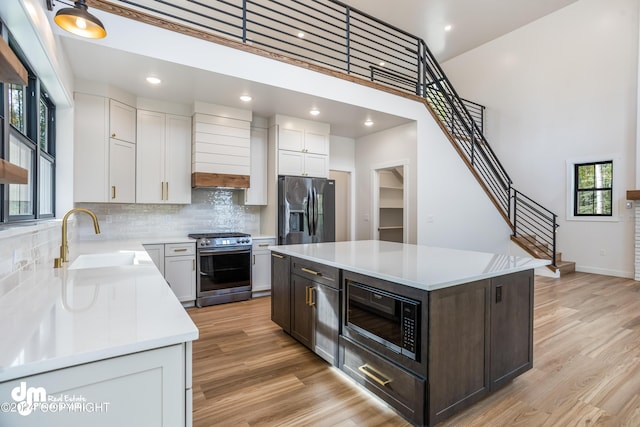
<point x="122" y="171"/>
<point x="177" y="159"/>
<point x="316" y="165"/>
<point x="317" y="143"/>
<point x="122" y="121"/>
<point x="180" y="273"/>
<point x="150" y="157"/>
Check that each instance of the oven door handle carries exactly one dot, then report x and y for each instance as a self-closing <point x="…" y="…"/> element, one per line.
<point x="224" y="252"/>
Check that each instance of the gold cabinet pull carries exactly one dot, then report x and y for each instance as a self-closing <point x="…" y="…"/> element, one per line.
<point x="167" y="190"/>
<point x="306" y="295"/>
<point x="311" y="292"/>
<point x="180" y="250"/>
<point x="263" y="245"/>
<point x="315" y="273"/>
<point x="113" y="135"/>
<point x="113" y="191"/>
<point x="162" y="191"/>
<point x="277" y="255"/>
<point x="374" y="375"/>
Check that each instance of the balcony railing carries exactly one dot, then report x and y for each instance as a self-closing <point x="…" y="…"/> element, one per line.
<point x="335" y="36"/>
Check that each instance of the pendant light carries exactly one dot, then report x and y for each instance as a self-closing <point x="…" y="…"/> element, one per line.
<point x="78" y="21"/>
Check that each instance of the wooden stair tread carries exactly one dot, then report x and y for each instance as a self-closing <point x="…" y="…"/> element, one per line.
<point x="539" y="250"/>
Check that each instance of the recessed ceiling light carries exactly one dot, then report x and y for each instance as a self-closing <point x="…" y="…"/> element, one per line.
<point x="382" y="63"/>
<point x="448" y="27"/>
<point x="154" y="80"/>
<point x="300" y="35"/>
<point x="314" y="112"/>
<point x="368" y="122"/>
<point x="245" y="98"/>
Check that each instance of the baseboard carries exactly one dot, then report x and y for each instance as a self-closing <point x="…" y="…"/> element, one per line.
<point x="605" y="271"/>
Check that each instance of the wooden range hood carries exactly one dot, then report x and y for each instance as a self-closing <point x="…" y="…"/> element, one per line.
<point x="209" y="180"/>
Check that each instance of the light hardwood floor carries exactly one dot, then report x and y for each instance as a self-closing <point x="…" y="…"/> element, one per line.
<point x="247" y="372"/>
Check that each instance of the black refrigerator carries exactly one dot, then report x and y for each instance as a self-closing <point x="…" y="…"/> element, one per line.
<point x="306" y="210"/>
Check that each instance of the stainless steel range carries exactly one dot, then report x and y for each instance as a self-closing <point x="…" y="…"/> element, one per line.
<point x="224" y="267"/>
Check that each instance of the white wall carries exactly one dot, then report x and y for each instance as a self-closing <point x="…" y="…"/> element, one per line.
<point x="560" y="88"/>
<point x="390" y="147"/>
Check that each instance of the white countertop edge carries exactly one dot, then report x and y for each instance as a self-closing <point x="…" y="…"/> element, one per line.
<point x="533" y="263"/>
<point x="47" y="365"/>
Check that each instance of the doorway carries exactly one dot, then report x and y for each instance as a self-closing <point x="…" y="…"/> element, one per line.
<point x="343" y="204"/>
<point x="389" y="204"/>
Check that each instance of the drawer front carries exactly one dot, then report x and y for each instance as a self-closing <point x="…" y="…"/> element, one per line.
<point x="316" y="272"/>
<point x="399" y="388"/>
<point x="262" y="244"/>
<point x="179" y="249"/>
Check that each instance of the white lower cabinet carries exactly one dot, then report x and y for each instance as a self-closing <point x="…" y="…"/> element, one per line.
<point x="156" y="253"/>
<point x="261" y="268"/>
<point x="148" y="388"/>
<point x="177" y="263"/>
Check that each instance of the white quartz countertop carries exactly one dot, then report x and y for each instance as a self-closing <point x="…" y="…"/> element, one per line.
<point x="423" y="267"/>
<point x="58" y="318"/>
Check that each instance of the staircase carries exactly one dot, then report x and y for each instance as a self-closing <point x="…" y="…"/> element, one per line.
<point x="344" y="42"/>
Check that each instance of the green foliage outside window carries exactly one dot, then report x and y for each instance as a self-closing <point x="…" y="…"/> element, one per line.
<point x="594" y="189"/>
<point x="17" y="107"/>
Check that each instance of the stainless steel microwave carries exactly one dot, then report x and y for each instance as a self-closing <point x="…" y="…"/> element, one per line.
<point x="389" y="319"/>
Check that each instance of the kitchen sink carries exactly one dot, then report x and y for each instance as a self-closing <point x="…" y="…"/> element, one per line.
<point x="111" y="259"/>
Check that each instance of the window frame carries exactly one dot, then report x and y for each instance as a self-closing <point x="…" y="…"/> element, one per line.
<point x="617" y="173"/>
<point x="35" y="93"/>
<point x="594" y="189"/>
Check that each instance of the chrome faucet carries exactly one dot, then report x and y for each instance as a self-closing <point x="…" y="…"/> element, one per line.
<point x="64" y="247"/>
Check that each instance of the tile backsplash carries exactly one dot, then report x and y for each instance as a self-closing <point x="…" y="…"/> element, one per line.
<point x="211" y="210"/>
<point x="24" y="247"/>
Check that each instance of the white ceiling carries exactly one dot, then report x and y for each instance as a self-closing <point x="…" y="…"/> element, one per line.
<point x="474" y="22"/>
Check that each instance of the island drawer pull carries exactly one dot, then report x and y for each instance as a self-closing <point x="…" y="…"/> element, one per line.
<point x="315" y="273"/>
<point x="180" y="250"/>
<point x="277" y="255"/>
<point x="374" y="375"/>
<point x="263" y="245"/>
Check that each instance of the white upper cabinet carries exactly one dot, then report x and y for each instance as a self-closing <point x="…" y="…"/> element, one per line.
<point x="163" y="165"/>
<point x="122" y="171"/>
<point x="104" y="166"/>
<point x="122" y="121"/>
<point x="303" y="147"/>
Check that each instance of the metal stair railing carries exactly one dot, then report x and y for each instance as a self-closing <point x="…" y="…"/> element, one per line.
<point x="535" y="226"/>
<point x="333" y="35"/>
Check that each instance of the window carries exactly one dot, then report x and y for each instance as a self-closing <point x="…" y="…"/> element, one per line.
<point x="27" y="126"/>
<point x="593" y="189"/>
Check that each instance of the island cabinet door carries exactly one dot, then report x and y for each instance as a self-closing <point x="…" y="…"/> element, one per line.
<point x="302" y="314"/>
<point x="511" y="326"/>
<point x="326" y="303"/>
<point x="458" y="348"/>
<point x="280" y="291"/>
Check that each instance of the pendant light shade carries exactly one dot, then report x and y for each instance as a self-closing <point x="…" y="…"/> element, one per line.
<point x="78" y="21"/>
